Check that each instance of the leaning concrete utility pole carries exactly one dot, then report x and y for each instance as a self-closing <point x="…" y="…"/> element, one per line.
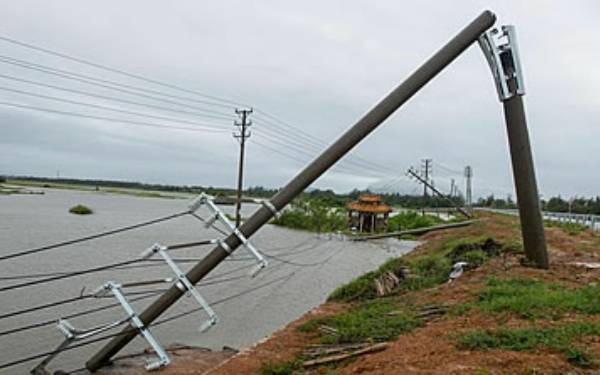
<point x="307" y="176"/>
<point x="508" y="76"/>
<point x="242" y="136"/>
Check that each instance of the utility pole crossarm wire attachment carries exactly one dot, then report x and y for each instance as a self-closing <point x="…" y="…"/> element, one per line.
<point x="218" y="215"/>
<point x="503" y="59"/>
<point x="377" y="115"/>
<point x="184" y="284"/>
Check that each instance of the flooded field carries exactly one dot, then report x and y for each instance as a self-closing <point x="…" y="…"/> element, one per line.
<point x="303" y="270"/>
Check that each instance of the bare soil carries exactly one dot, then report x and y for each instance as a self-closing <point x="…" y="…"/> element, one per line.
<point x="429" y="349"/>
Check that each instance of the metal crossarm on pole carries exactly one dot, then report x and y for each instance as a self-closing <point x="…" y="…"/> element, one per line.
<point x="218" y="215"/>
<point x="367" y="124"/>
<point x="184" y="284"/>
<point x="115" y="289"/>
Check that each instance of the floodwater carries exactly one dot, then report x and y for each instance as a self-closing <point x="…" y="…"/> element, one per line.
<point x="304" y="268"/>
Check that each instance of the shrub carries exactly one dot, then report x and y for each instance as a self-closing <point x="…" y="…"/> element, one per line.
<point x="312" y="215"/>
<point x="81" y="210"/>
<point x="411" y="220"/>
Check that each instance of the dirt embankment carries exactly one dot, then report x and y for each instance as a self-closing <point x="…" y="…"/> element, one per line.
<point x="432" y="347"/>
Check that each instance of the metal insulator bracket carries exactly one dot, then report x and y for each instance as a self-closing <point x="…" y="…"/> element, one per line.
<point x="184" y="284"/>
<point x="501" y="51"/>
<point x="218" y="215"/>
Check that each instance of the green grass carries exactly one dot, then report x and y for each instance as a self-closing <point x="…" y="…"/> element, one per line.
<point x="291" y="367"/>
<point x="570" y="228"/>
<point x="559" y="338"/>
<point x="81" y="210"/>
<point x="532" y="299"/>
<point x="412" y="220"/>
<point x="426" y="270"/>
<point x="368" y="320"/>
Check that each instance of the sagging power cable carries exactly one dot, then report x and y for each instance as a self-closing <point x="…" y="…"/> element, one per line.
<point x="159" y="322"/>
<point x="91" y="237"/>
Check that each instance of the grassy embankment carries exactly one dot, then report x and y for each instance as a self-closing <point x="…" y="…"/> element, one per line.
<point x="501" y="307"/>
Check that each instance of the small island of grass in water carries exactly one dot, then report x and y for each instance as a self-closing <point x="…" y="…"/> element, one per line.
<point x="81" y="210"/>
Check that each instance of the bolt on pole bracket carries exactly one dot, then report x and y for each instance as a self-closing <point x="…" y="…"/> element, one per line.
<point x="73" y="334"/>
<point x="114" y="288"/>
<point x="184" y="284"/>
<point x="218" y="215"/>
<point x="501" y="51"/>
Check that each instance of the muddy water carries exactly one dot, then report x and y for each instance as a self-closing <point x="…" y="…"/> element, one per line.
<point x="303" y="270"/>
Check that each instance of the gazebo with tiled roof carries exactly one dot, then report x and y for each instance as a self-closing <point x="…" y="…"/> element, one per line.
<point x="368" y="213"/>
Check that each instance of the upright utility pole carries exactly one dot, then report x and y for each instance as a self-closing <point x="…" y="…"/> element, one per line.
<point x="452" y="187"/>
<point x="468" y="188"/>
<point x="367" y="124"/>
<point x="425" y="172"/>
<point x="242" y="135"/>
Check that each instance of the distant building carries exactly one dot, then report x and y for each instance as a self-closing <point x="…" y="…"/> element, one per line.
<point x="368" y="214"/>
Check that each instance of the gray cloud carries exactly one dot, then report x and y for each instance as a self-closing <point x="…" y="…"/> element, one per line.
<point x="317" y="65"/>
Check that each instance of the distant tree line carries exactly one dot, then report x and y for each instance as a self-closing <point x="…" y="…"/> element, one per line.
<point x="578" y="205"/>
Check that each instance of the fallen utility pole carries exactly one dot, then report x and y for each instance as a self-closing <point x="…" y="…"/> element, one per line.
<point x="314" y="170"/>
<point x="505" y="64"/>
<point x="414" y="231"/>
<point x="414" y="174"/>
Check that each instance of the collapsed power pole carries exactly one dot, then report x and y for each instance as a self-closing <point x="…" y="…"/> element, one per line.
<point x="425" y="172"/>
<point x="242" y="135"/>
<point x="377" y="115"/>
<point x="502" y="53"/>
<point x="412" y="173"/>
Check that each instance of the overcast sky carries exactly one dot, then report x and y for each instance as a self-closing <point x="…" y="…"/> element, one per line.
<point x="318" y="66"/>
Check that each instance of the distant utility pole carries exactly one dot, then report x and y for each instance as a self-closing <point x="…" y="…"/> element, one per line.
<point x="242" y="135"/>
<point x="413" y="173"/>
<point x="426" y="171"/>
<point x="452" y="188"/>
<point x="469" y="197"/>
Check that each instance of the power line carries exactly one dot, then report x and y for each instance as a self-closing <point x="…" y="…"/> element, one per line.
<point x="159" y="322"/>
<point x="92" y="237"/>
<point x="121" y="72"/>
<point x="126" y="101"/>
<point x="90" y="79"/>
<point x="105" y="108"/>
<point x="109" y="119"/>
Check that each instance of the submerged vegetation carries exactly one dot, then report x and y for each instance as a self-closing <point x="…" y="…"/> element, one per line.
<point x="81" y="210"/>
<point x="312" y="215"/>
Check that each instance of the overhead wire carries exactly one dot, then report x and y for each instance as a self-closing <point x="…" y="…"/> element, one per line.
<point x="106" y="108"/>
<point x="115" y="99"/>
<point x="228" y="102"/>
<point x="95" y="236"/>
<point x="159" y="322"/>
<point x="91" y="80"/>
<point x="109" y="119"/>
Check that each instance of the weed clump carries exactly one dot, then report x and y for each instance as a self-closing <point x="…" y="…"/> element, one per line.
<point x="558" y="338"/>
<point x="532" y="299"/>
<point x="376" y="320"/>
<point x="81" y="210"/>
